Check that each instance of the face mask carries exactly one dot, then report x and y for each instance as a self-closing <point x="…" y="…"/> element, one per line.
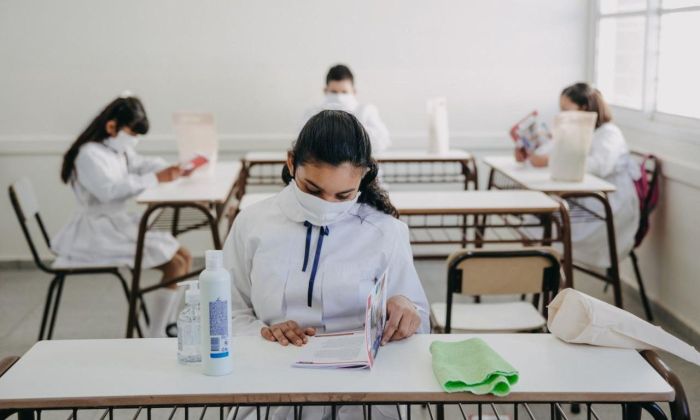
<point x="122" y="141"/>
<point x="318" y="211"/>
<point x="341" y="101"/>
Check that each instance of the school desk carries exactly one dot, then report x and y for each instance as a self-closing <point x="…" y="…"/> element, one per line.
<point x="186" y="204"/>
<point x="506" y="173"/>
<point x="144" y="374"/>
<point x="463" y="217"/>
<point x="397" y="167"/>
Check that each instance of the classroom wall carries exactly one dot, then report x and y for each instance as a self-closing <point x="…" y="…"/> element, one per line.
<point x="669" y="254"/>
<point x="258" y="65"/>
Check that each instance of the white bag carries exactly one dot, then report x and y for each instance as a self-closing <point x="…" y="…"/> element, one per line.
<point x="578" y="318"/>
<point x="196" y="135"/>
<point x="438" y="131"/>
<point x="572" y="134"/>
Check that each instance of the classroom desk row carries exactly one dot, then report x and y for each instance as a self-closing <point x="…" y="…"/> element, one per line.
<point x="435" y="217"/>
<point x="144" y="374"/>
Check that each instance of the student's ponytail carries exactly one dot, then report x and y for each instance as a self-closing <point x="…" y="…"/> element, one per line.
<point x="337" y="137"/>
<point x="589" y="99"/>
<point x="125" y="111"/>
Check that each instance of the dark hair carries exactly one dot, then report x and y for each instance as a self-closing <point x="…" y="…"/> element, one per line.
<point x="337" y="137"/>
<point x="338" y="73"/>
<point x="589" y="99"/>
<point x="125" y="111"/>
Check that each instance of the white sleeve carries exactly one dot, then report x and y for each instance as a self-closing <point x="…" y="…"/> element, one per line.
<point x="403" y="279"/>
<point x="238" y="262"/>
<point x="93" y="173"/>
<point x="606" y="149"/>
<point x="141" y="165"/>
<point x="378" y="133"/>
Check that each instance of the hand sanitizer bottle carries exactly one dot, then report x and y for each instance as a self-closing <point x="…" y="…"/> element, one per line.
<point x="215" y="304"/>
<point x="189" y="326"/>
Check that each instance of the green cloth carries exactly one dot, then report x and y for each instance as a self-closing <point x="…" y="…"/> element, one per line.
<point x="471" y="365"/>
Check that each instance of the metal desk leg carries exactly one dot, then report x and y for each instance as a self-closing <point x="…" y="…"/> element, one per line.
<point x="565" y="235"/>
<point x="612" y="248"/>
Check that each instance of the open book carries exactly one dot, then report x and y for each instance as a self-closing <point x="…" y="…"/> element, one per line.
<point x="529" y="133"/>
<point x="350" y="349"/>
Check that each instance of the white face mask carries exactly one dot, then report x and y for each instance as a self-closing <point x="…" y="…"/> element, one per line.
<point x="341" y="101"/>
<point x="122" y="141"/>
<point x="318" y="211"/>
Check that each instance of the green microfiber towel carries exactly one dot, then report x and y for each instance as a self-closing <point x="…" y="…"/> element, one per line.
<point x="471" y="365"/>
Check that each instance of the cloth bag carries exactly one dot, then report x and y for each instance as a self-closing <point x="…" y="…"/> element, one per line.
<point x="438" y="131"/>
<point x="578" y="318"/>
<point x="572" y="134"/>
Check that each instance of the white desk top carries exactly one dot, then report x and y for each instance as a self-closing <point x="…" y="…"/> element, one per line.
<point x="398" y="155"/>
<point x="456" y="202"/>
<point x="200" y="187"/>
<point x="539" y="179"/>
<point x="82" y="373"/>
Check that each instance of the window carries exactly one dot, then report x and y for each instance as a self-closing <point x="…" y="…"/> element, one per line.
<point x="645" y="57"/>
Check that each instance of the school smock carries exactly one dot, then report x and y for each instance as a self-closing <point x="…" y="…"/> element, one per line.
<point x="102" y="231"/>
<point x="367" y="114"/>
<point x="608" y="158"/>
<point x="272" y="253"/>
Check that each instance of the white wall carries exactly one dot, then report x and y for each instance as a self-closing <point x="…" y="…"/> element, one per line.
<point x="669" y="254"/>
<point x="257" y="65"/>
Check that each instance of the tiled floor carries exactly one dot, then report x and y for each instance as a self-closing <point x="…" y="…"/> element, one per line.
<point x="95" y="307"/>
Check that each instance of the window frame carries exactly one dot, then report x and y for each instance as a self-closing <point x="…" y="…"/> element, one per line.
<point x="648" y="114"/>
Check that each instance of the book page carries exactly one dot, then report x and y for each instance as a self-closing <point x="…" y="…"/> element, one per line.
<point x="334" y="350"/>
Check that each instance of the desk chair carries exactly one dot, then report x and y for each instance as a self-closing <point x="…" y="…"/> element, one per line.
<point x="648" y="192"/>
<point x="522" y="271"/>
<point x="26" y="206"/>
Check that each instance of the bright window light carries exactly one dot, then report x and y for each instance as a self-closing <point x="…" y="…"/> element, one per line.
<point x="620" y="59"/>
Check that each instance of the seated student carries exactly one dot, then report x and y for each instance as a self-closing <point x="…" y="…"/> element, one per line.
<point x="105" y="172"/>
<point x="303" y="261"/>
<point x="608" y="158"/>
<point x="340" y="96"/>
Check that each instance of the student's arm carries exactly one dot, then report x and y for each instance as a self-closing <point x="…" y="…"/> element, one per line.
<point x="378" y="133"/>
<point x="93" y="173"/>
<point x="239" y="263"/>
<point x="141" y="165"/>
<point x="403" y="279"/>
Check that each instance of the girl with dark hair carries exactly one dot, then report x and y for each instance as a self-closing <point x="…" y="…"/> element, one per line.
<point x="608" y="158"/>
<point x="307" y="256"/>
<point x="105" y="172"/>
<point x="303" y="261"/>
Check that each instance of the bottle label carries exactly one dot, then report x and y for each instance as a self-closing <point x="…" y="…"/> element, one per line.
<point x="218" y="329"/>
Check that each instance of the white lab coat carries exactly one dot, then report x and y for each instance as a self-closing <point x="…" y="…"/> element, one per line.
<point x="265" y="251"/>
<point x="367" y="114"/>
<point x="609" y="158"/>
<point x="102" y="231"/>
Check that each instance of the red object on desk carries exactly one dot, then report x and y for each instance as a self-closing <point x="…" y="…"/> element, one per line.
<point x="192" y="165"/>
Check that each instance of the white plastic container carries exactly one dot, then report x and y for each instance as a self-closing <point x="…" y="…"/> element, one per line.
<point x="572" y="135"/>
<point x="438" y="131"/>
<point x="215" y="307"/>
<point x="189" y="326"/>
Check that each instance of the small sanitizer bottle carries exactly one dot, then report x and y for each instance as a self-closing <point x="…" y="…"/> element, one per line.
<point x="189" y="326"/>
<point x="215" y="305"/>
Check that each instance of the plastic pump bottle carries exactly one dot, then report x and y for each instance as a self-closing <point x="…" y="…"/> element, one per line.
<point x="215" y="305"/>
<point x="189" y="326"/>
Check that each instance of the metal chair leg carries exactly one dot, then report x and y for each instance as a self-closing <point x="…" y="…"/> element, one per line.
<point x="125" y="288"/>
<point x="642" y="291"/>
<point x="57" y="302"/>
<point x="47" y="306"/>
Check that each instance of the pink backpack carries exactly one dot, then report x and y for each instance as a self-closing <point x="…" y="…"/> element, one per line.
<point x="647" y="187"/>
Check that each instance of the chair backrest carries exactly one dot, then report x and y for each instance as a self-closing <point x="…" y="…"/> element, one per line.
<point x="648" y="191"/>
<point x="521" y="271"/>
<point x="26" y="206"/>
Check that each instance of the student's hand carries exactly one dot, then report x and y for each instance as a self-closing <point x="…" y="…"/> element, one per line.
<point x="539" y="161"/>
<point x="171" y="173"/>
<point x="403" y="319"/>
<point x="520" y="154"/>
<point x="287" y="332"/>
